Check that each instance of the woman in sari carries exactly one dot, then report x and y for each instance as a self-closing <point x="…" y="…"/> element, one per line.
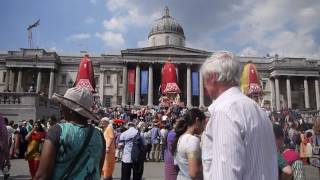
<point x="35" y="138"/>
<point x="109" y="161"/>
<point x="170" y="170"/>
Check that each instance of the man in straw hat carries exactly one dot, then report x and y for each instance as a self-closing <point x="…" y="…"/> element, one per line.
<point x="73" y="150"/>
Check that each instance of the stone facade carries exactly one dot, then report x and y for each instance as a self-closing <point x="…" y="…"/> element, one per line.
<point x="286" y="82"/>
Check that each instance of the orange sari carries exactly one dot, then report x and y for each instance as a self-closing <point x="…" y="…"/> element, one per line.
<point x="109" y="161"/>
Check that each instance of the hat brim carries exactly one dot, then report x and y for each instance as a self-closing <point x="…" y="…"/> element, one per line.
<point x="74" y="106"/>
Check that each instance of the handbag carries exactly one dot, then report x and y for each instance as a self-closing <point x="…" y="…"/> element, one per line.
<point x="76" y="159"/>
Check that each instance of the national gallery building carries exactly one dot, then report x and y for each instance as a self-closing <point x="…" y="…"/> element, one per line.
<point x="29" y="77"/>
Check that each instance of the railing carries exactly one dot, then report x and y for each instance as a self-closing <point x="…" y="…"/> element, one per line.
<point x="14" y="97"/>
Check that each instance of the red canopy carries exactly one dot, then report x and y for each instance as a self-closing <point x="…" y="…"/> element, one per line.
<point x="168" y="75"/>
<point x="85" y="76"/>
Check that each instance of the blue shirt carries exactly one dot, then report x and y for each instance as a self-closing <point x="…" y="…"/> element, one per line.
<point x="155" y="135"/>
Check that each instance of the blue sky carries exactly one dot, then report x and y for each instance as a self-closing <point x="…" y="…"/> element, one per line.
<point x="246" y="27"/>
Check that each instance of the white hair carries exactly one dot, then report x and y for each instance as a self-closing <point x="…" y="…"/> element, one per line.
<point x="224" y="66"/>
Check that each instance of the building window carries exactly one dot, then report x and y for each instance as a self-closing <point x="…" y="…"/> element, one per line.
<point x="119" y="100"/>
<point x="63" y="79"/>
<point x="108" y="101"/>
<point x="96" y="80"/>
<point x="121" y="79"/>
<point x="108" y="79"/>
<point x="4" y="76"/>
<point x="167" y="40"/>
<point x="264" y="85"/>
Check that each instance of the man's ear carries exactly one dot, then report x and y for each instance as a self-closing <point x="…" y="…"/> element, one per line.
<point x="211" y="77"/>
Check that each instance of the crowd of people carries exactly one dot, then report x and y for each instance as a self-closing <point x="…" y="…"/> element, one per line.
<point x="233" y="139"/>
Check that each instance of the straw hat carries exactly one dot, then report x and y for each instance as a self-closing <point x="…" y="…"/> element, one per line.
<point x="79" y="100"/>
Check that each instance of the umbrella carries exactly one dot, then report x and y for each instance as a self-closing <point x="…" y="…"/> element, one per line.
<point x="119" y="121"/>
<point x="85" y="76"/>
<point x="250" y="81"/>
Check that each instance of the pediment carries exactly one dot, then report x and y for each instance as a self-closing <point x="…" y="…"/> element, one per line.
<point x="165" y="50"/>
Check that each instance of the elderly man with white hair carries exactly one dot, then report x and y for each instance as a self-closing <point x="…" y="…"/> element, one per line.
<point x="238" y="142"/>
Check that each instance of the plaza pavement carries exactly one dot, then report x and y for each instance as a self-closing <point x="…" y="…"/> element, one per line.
<point x="152" y="171"/>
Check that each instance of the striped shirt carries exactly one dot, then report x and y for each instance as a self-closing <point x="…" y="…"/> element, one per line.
<point x="238" y="142"/>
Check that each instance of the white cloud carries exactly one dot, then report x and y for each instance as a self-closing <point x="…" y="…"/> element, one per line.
<point x="93" y="1"/>
<point x="80" y="36"/>
<point x="249" y="51"/>
<point x="111" y="39"/>
<point x="125" y="14"/>
<point x="143" y="43"/>
<point x="89" y="20"/>
<point x="284" y="27"/>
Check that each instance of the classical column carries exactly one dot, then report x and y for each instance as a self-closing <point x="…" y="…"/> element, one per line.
<point x="124" y="85"/>
<point x="177" y="72"/>
<point x="150" y="86"/>
<point x="289" y="93"/>
<point x="137" y="89"/>
<point x="101" y="86"/>
<point x="201" y="94"/>
<point x="273" y="95"/>
<point x="51" y="81"/>
<point x="189" y="103"/>
<point x="7" y="79"/>
<point x="11" y="83"/>
<point x="316" y="84"/>
<point x="19" y="88"/>
<point x="306" y="93"/>
<point x="39" y="77"/>
<point x="277" y="94"/>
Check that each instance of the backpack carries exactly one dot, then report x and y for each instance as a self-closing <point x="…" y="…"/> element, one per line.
<point x="138" y="152"/>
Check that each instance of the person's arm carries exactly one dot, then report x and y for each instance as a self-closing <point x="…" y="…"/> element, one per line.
<point x="193" y="155"/>
<point x="103" y="151"/>
<point x="229" y="152"/>
<point x="286" y="173"/>
<point x="46" y="161"/>
<point x="285" y="168"/>
<point x="28" y="136"/>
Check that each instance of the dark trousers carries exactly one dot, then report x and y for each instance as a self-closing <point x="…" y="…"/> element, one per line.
<point x="126" y="170"/>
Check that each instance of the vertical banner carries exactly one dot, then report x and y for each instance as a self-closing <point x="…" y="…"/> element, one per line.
<point x="131" y="80"/>
<point x="195" y="84"/>
<point x="144" y="82"/>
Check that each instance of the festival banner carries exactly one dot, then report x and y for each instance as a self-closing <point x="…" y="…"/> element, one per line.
<point x="144" y="82"/>
<point x="131" y="80"/>
<point x="195" y="84"/>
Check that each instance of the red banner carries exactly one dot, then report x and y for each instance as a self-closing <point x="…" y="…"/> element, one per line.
<point x="131" y="80"/>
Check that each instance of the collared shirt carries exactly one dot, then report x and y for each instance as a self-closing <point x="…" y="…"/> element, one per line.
<point x="155" y="135"/>
<point x="127" y="138"/>
<point x="238" y="142"/>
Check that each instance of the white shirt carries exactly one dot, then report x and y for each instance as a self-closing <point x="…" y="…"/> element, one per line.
<point x="187" y="144"/>
<point x="238" y="142"/>
<point x="126" y="138"/>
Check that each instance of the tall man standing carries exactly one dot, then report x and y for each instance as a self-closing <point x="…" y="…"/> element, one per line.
<point x="238" y="142"/>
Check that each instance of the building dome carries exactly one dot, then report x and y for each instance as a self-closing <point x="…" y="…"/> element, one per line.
<point x="166" y="31"/>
